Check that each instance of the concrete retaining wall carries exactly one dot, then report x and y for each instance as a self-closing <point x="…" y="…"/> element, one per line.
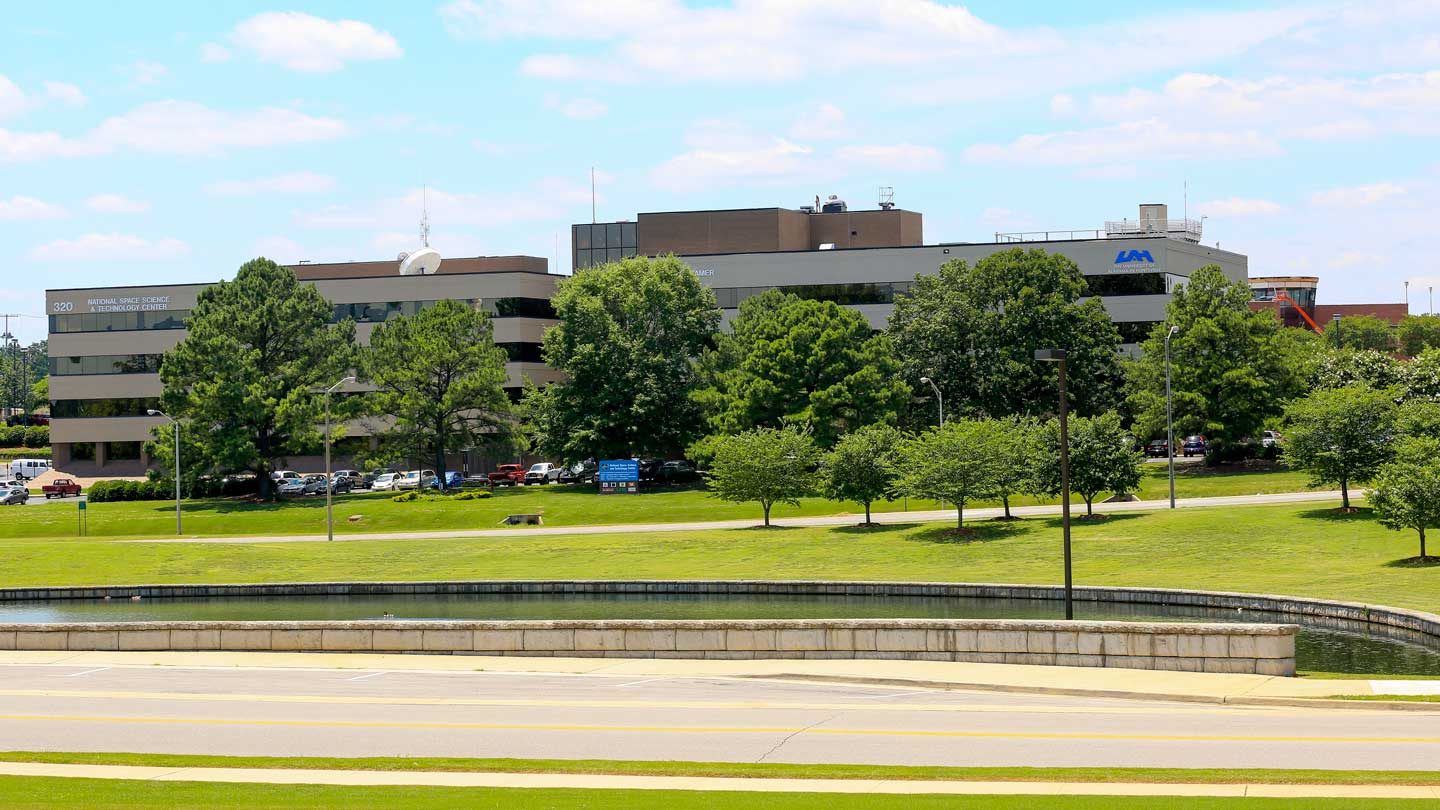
<point x="1245" y="648"/>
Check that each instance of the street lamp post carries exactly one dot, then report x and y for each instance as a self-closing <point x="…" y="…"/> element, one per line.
<point x="176" y="426"/>
<point x="1058" y="356"/>
<point x="329" y="482"/>
<point x="939" y="400"/>
<point x="1170" y="416"/>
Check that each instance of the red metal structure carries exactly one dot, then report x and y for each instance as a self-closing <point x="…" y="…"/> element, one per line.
<point x="1283" y="298"/>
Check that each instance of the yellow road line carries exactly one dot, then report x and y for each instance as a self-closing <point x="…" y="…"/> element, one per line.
<point x="196" y="721"/>
<point x="403" y="700"/>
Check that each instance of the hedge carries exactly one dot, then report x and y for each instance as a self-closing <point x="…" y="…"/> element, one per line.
<point x="102" y="491"/>
<point x="21" y="436"/>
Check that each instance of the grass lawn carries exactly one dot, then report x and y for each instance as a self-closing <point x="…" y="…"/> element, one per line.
<point x="561" y="506"/>
<point x="1299" y="549"/>
<point x="772" y="770"/>
<point x="1407" y="698"/>
<point x="32" y="793"/>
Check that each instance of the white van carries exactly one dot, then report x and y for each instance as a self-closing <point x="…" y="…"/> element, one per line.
<point x="28" y="469"/>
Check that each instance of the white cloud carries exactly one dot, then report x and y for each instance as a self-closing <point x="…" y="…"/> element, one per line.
<point x="1150" y="139"/>
<point x="725" y="153"/>
<point x="1062" y="105"/>
<point x="96" y="247"/>
<point x="21" y="146"/>
<point x="579" y="108"/>
<point x="65" y="93"/>
<point x="1239" y="207"/>
<point x="450" y="209"/>
<point x="824" y="121"/>
<point x="1006" y="219"/>
<point x="294" y="183"/>
<point x="494" y="149"/>
<point x="1113" y="171"/>
<point x="309" y="44"/>
<point x="147" y="73"/>
<point x="1356" y="258"/>
<point x="214" y="52"/>
<point x="903" y="157"/>
<point x="279" y="248"/>
<point x="1357" y="196"/>
<point x="116" y="204"/>
<point x="13" y="100"/>
<point x="28" y="209"/>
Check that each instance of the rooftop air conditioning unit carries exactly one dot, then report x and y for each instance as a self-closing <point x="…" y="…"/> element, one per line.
<point x="834" y="205"/>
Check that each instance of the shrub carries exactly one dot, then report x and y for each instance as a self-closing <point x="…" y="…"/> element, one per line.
<point x="471" y="496"/>
<point x="102" y="491"/>
<point x="36" y="436"/>
<point x="406" y="497"/>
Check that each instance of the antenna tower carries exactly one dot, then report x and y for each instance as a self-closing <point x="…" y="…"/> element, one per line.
<point x="425" y="216"/>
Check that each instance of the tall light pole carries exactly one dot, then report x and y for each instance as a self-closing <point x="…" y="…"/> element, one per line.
<point x="1170" y="416"/>
<point x="176" y="426"/>
<point x="1058" y="356"/>
<point x="939" y="400"/>
<point x="1339" y="338"/>
<point x="329" y="483"/>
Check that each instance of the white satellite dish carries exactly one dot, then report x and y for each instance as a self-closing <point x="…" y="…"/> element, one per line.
<point x="426" y="260"/>
<point x="423" y="262"/>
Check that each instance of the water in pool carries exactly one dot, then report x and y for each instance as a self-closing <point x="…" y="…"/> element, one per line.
<point x="1318" y="647"/>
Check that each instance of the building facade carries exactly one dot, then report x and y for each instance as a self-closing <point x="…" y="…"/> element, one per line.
<point x="105" y="344"/>
<point x="1289" y="296"/>
<point x="863" y="259"/>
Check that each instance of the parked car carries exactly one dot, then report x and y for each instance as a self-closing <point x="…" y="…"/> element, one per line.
<point x="507" y="475"/>
<point x="415" y="479"/>
<point x="61" y="488"/>
<point x="313" y="485"/>
<point x="290" y="486"/>
<point x="285" y="475"/>
<point x="1194" y="446"/>
<point x="1159" y="448"/>
<point x="476" y="482"/>
<point x="28" y="469"/>
<point x="341" y="484"/>
<point x="542" y="473"/>
<point x="1270" y="438"/>
<point x="11" y="495"/>
<point x="649" y="469"/>
<point x="678" y="472"/>
<point x="454" y="480"/>
<point x="583" y="472"/>
<point x="354" y="475"/>
<point x="383" y="482"/>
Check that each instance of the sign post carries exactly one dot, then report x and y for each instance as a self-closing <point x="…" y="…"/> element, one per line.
<point x="622" y="475"/>
<point x="80" y="514"/>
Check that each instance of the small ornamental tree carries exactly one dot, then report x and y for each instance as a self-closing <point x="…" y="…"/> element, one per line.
<point x="1017" y="449"/>
<point x="765" y="464"/>
<point x="1418" y="333"/>
<point x="1101" y="459"/>
<point x="1362" y="332"/>
<point x="956" y="463"/>
<point x="1340" y="436"/>
<point x="1407" y="490"/>
<point x="860" y="467"/>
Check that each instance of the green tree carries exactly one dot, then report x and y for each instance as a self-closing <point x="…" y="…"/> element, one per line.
<point x="1361" y="332"/>
<point x="1337" y="368"/>
<point x="258" y="348"/>
<point x="1406" y="494"/>
<point x="1340" y="436"/>
<point x="629" y="332"/>
<point x="441" y="376"/>
<point x="767" y="465"/>
<point x="1101" y="459"/>
<point x="40" y="393"/>
<point x="1418" y="418"/>
<point x="974" y="331"/>
<point x="1420" y="378"/>
<point x="1228" y="373"/>
<point x="957" y="463"/>
<point x="1417" y="333"/>
<point x="1018" y="449"/>
<point x="813" y="363"/>
<point x="860" y="468"/>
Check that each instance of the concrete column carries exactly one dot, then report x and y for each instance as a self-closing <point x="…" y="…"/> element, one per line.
<point x="99" y="455"/>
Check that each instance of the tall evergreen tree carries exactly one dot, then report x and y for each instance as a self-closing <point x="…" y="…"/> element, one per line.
<point x="258" y="349"/>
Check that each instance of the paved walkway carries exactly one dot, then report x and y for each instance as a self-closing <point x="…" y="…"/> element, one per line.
<point x="694" y="783"/>
<point x="821" y="520"/>
<point x="1079" y="681"/>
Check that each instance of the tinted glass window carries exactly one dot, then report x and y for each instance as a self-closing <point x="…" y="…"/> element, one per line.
<point x="612" y="235"/>
<point x="582" y="237"/>
<point x="94" y="408"/>
<point x="628" y="234"/>
<point x="1127" y="284"/>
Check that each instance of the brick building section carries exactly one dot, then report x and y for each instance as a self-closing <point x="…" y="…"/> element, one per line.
<point x="770" y="230"/>
<point x="1325" y="313"/>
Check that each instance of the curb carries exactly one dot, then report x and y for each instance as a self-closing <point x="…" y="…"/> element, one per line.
<point x="1220" y="700"/>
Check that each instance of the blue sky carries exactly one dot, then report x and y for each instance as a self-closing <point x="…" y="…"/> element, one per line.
<point x="170" y="142"/>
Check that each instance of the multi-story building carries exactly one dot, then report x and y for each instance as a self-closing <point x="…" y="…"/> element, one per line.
<point x="863" y="259"/>
<point x="105" y="344"/>
<point x="1287" y="296"/>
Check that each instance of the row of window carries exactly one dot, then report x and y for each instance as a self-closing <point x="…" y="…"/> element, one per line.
<point x="590" y="258"/>
<point x="604" y="235"/>
<point x="99" y="408"/>
<point x="886" y="292"/>
<point x="114" y="451"/>
<point x="106" y="364"/>
<point x="1126" y="284"/>
<point x="1135" y="331"/>
<point x="118" y="321"/>
<point x="523" y="352"/>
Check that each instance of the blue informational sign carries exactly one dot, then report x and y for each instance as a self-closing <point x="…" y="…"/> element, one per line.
<point x="622" y="475"/>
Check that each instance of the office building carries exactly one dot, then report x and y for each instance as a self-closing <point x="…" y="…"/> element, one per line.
<point x="1287" y="296"/>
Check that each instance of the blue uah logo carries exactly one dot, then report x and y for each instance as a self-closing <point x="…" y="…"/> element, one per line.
<point x="1127" y="256"/>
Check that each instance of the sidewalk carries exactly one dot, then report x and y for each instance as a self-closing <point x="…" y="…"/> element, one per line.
<point x="1077" y="681"/>
<point x="822" y="520"/>
<point x="690" y="783"/>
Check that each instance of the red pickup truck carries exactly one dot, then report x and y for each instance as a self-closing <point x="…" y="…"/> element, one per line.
<point x="507" y="475"/>
<point x="60" y="488"/>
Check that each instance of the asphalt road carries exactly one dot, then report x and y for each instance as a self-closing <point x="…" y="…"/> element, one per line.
<point x="358" y="713"/>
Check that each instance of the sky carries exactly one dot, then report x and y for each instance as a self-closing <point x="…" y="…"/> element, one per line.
<point x="160" y="142"/>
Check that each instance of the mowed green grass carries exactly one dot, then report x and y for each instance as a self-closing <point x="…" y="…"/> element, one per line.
<point x="560" y="505"/>
<point x="1297" y="549"/>
<point x="33" y="793"/>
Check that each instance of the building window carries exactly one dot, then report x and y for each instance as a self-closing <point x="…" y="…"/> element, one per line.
<point x="847" y="294"/>
<point x="1135" y="331"/>
<point x="118" y="321"/>
<point x="101" y="408"/>
<point x="122" y="451"/>
<point x="601" y="242"/>
<point x="105" y="364"/>
<point x="523" y="352"/>
<point x="1126" y="284"/>
<point x="82" y="451"/>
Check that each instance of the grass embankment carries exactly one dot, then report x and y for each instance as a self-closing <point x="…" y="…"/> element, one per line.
<point x="1402" y="698"/>
<point x="561" y="506"/>
<point x="744" y="770"/>
<point x="1303" y="550"/>
<point x="30" y="793"/>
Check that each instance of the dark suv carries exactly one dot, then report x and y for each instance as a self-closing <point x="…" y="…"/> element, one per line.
<point x="1158" y="448"/>
<point x="1194" y="446"/>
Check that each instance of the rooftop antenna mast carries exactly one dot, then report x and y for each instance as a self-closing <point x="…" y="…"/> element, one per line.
<point x="425" y="216"/>
<point x="592" y="195"/>
<point x="425" y="260"/>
